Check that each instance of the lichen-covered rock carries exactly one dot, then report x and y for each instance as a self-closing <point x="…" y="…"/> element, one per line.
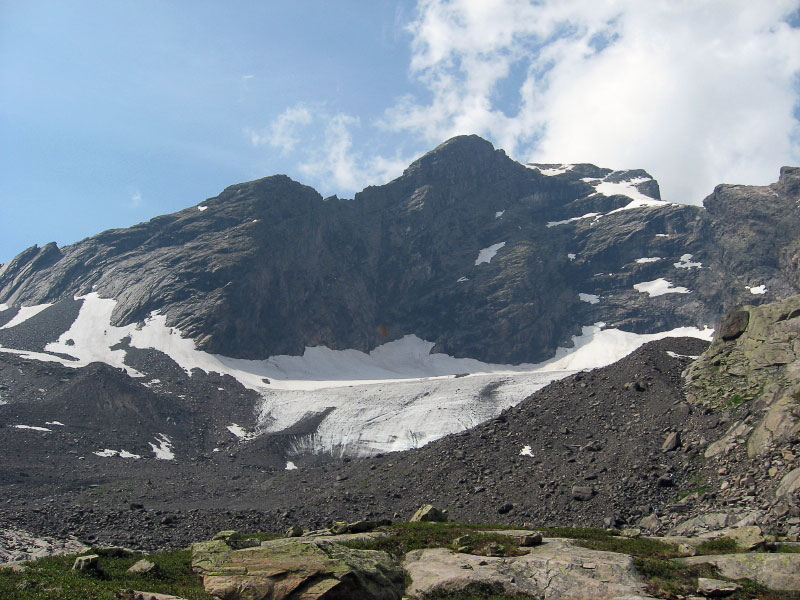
<point x="774" y="570"/>
<point x="278" y="571"/>
<point x="554" y="570"/>
<point x="429" y="513"/>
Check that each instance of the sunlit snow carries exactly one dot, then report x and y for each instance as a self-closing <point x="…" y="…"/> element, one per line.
<point x="676" y="355"/>
<point x="31" y="427"/>
<point x="3" y="307"/>
<point x="590" y="298"/>
<point x="685" y="262"/>
<point x="572" y="256"/>
<point x="202" y="208"/>
<point x="659" y="287"/>
<point x="290" y="466"/>
<point x="551" y="171"/>
<point x="108" y="453"/>
<point x="487" y="254"/>
<point x="400" y="395"/>
<point x="461" y="280"/>
<point x="237" y="430"/>
<point x="565" y="221"/>
<point x="526" y="451"/>
<point x="758" y="290"/>
<point x="59" y="423"/>
<point x="650" y="259"/>
<point x="25" y="313"/>
<point x="499" y="214"/>
<point x="662" y="235"/>
<point x="162" y="450"/>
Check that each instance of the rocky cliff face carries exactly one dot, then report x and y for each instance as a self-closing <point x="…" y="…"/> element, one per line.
<point x="484" y="256"/>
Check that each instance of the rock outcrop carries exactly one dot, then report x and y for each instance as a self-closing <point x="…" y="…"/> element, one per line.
<point x="483" y="256"/>
<point x="297" y="568"/>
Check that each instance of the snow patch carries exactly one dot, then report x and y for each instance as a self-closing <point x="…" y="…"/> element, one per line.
<point x="758" y="290"/>
<point x="526" y="451"/>
<point x="59" y="423"/>
<point x="487" y="254"/>
<point x="163" y="450"/>
<point x="31" y="427"/>
<point x="627" y="188"/>
<point x="565" y="221"/>
<point x="551" y="171"/>
<point x="108" y="453"/>
<point x="499" y="214"/>
<point x="290" y="466"/>
<point x="461" y="280"/>
<point x="676" y="355"/>
<point x="202" y="208"/>
<point x="662" y="235"/>
<point x="240" y="432"/>
<point x="685" y="262"/>
<point x="650" y="259"/>
<point x="3" y="307"/>
<point x="572" y="256"/>
<point x="590" y="298"/>
<point x="659" y="287"/>
<point x="25" y="313"/>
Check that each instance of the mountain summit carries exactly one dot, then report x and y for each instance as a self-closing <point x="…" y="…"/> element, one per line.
<point x="483" y="256"/>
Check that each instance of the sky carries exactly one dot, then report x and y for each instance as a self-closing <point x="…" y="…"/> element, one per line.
<point x="112" y="113"/>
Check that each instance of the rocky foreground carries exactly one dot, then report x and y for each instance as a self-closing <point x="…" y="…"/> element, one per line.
<point x="429" y="558"/>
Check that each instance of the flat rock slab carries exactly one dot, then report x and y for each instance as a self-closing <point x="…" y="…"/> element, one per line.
<point x="324" y="539"/>
<point x="779" y="571"/>
<point x="298" y="569"/>
<point x="553" y="571"/>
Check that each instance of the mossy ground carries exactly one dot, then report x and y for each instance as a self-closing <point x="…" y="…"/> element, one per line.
<point x="52" y="578"/>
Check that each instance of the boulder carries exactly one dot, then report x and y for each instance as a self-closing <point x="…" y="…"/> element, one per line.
<point x="294" y="531"/>
<point x="582" y="492"/>
<point x="780" y="425"/>
<point x="429" y="513"/>
<point x="87" y="563"/>
<point x="554" y="570"/>
<point x="734" y="324"/>
<point x="285" y="568"/>
<point x="134" y="595"/>
<point x="715" y="588"/>
<point x="774" y="570"/>
<point x="788" y="485"/>
<point x="672" y="442"/>
<point x="705" y="522"/>
<point x="143" y="567"/>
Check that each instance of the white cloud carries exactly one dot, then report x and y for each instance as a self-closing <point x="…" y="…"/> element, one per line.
<point x="336" y="166"/>
<point x="282" y="133"/>
<point x="698" y="93"/>
<point x="136" y="199"/>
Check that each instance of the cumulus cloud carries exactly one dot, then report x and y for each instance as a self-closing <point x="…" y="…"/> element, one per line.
<point x="696" y="92"/>
<point x="337" y="166"/>
<point x="283" y="132"/>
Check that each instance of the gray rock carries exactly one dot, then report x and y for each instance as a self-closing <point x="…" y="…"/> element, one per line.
<point x="582" y="493"/>
<point x="733" y="324"/>
<point x="715" y="588"/>
<point x="776" y="571"/>
<point x="294" y="531"/>
<point x="554" y="570"/>
<point x="429" y="513"/>
<point x="672" y="442"/>
<point x="87" y="563"/>
<point x="143" y="567"/>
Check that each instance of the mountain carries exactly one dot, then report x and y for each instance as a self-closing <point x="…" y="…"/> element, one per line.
<point x="485" y="257"/>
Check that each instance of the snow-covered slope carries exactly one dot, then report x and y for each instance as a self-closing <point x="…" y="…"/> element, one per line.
<point x="399" y="396"/>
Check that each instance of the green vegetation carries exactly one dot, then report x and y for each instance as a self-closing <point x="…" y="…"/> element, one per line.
<point x="52" y="578"/>
<point x="784" y="548"/>
<point x="720" y="545"/>
<point x="405" y="537"/>
<point x="733" y="401"/>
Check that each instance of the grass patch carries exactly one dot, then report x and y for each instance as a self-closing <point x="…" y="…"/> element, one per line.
<point x="734" y="401"/>
<point x="720" y="545"/>
<point x="405" y="537"/>
<point x="637" y="547"/>
<point x="785" y="548"/>
<point x="52" y="578"/>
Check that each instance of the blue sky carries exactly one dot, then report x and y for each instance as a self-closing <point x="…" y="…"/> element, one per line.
<point x="114" y="112"/>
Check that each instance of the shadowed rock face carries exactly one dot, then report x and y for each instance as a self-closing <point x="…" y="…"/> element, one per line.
<point x="269" y="267"/>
